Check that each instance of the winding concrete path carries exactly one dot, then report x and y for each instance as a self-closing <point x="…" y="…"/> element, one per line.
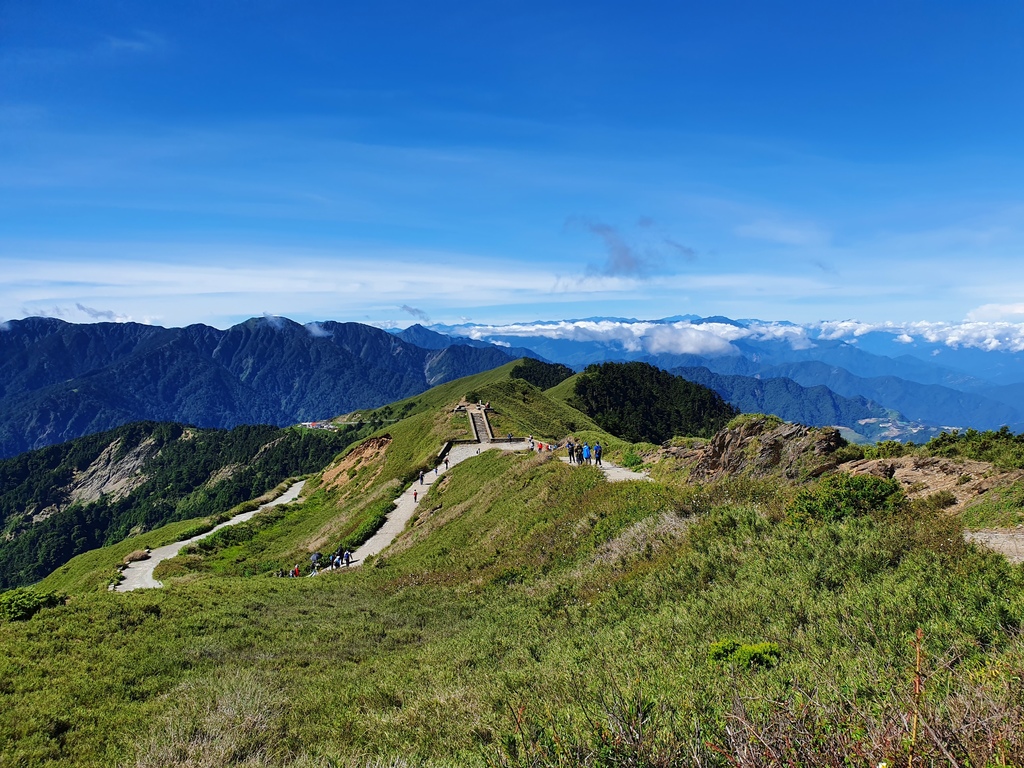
<point x="405" y="505"/>
<point x="139" y="575"/>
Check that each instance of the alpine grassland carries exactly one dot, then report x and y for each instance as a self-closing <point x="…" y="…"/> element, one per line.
<point x="535" y="614"/>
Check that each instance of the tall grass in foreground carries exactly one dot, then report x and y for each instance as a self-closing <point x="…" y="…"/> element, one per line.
<point x="537" y="615"/>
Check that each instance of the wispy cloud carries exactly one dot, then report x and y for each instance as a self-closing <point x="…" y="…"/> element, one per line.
<point x="783" y="232"/>
<point x="683" y="251"/>
<point x="316" y="330"/>
<point x="103" y="314"/>
<point x="419" y="314"/>
<point x="622" y="260"/>
<point x="274" y="321"/>
<point x="139" y="42"/>
<point x="989" y="312"/>
<point x="639" y="258"/>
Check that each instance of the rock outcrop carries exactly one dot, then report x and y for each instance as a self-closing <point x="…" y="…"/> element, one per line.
<point x="763" y="446"/>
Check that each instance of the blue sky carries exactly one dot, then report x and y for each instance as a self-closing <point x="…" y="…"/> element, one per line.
<point x="497" y="162"/>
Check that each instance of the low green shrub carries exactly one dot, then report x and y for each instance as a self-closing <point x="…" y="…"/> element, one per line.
<point x="839" y="496"/>
<point x="23" y="603"/>
<point x="935" y="502"/>
<point x="849" y="452"/>
<point x="631" y="460"/>
<point x="770" y="420"/>
<point x="377" y="516"/>
<point x="722" y="650"/>
<point x="888" y="449"/>
<point x="197" y="530"/>
<point x="744" y="655"/>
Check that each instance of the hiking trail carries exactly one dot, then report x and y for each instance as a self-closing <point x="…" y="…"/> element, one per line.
<point x="139" y="574"/>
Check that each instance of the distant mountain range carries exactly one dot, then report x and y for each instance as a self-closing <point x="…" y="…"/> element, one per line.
<point x="59" y="381"/>
<point x="879" y="384"/>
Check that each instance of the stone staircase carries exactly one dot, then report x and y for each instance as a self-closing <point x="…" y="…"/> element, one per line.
<point x="481" y="428"/>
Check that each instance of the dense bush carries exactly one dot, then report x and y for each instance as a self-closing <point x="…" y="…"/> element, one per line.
<point x="1002" y="448"/>
<point x="839" y="496"/>
<point x="744" y="655"/>
<point x="23" y="603"/>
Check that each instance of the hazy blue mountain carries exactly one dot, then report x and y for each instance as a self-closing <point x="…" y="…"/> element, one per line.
<point x="816" y="406"/>
<point x="59" y="381"/>
<point x="428" y="339"/>
<point x="930" y="403"/>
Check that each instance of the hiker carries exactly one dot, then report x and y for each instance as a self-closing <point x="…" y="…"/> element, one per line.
<point x="586" y="453"/>
<point x="579" y="454"/>
<point x="348" y="558"/>
<point x="421" y="477"/>
<point x="295" y="572"/>
<point x="571" y="448"/>
<point x="446" y="463"/>
<point x="415" y="496"/>
<point x="597" y="454"/>
<point x="510" y="437"/>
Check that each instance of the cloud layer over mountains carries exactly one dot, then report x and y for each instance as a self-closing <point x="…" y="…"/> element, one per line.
<point x="715" y="338"/>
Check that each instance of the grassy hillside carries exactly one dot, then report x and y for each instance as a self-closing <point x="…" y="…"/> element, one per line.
<point x="534" y="614"/>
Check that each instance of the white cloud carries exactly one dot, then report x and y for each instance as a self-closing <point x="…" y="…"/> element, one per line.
<point x="717" y="338"/>
<point x="990" y="336"/>
<point x="785" y="233"/>
<point x="996" y="312"/>
<point x="682" y="339"/>
<point x="317" y="331"/>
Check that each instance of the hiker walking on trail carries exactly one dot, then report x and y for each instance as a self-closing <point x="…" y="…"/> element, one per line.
<point x="415" y="495"/>
<point x="347" y="557"/>
<point x="571" y="448"/>
<point x="597" y="454"/>
<point x="421" y="477"/>
<point x="586" y="453"/>
<point x="446" y="463"/>
<point x="579" y="454"/>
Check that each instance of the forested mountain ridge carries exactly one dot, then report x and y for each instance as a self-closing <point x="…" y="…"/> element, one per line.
<point x="66" y="499"/>
<point x="640" y="402"/>
<point x="59" y="381"/>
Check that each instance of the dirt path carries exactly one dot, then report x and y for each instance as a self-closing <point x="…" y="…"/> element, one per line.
<point x="613" y="472"/>
<point x="139" y="575"/>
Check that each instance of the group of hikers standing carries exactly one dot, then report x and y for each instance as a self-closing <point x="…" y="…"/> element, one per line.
<point x="582" y="453"/>
<point x="340" y="559"/>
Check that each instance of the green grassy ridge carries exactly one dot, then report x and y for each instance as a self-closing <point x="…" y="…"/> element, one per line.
<point x="428" y="656"/>
<point x="527" y="586"/>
